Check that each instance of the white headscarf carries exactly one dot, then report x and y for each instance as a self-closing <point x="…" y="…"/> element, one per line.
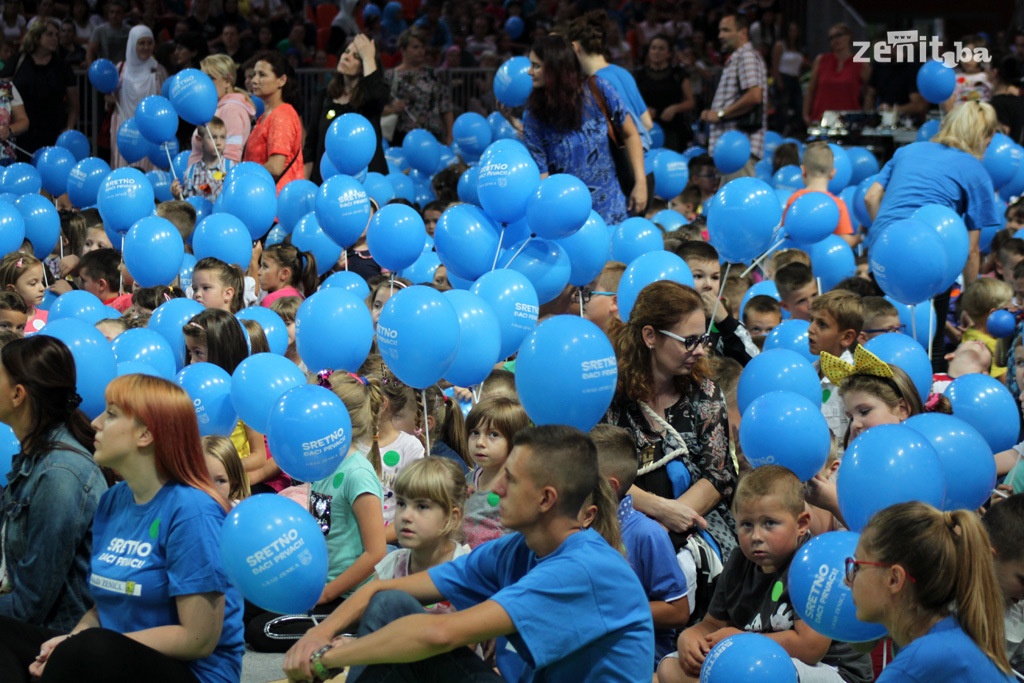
<point x="138" y="78"/>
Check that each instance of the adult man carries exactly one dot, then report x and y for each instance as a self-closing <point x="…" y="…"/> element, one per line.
<point x="742" y="90"/>
<point x="109" y="40"/>
<point x="567" y="601"/>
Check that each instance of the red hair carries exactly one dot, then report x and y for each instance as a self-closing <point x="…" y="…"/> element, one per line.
<point x="167" y="412"/>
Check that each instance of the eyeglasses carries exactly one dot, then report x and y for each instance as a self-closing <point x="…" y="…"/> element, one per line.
<point x="853" y="566"/>
<point x="690" y="343"/>
<point x="586" y="294"/>
<point x="884" y="330"/>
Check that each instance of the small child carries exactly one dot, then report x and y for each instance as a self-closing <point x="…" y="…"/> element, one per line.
<point x="969" y="358"/>
<point x="751" y="594"/>
<point x="72" y="241"/>
<point x="979" y="300"/>
<point x="288" y="307"/>
<point x="431" y="215"/>
<point x="1017" y="282"/>
<point x="447" y="429"/>
<point x="226" y="469"/>
<point x="1008" y="255"/>
<point x="1010" y="460"/>
<point x="797" y="289"/>
<point x="100" y="272"/>
<point x="205" y="178"/>
<point x="13" y="312"/>
<point x="381" y="290"/>
<point x="687" y="203"/>
<point x="600" y="301"/>
<point x="23" y="274"/>
<point x="500" y="384"/>
<point x="1005" y="525"/>
<point x="782" y="258"/>
<point x="648" y="547"/>
<point x="255" y="337"/>
<point x="286" y="271"/>
<point x="818" y="167"/>
<point x="786" y="154"/>
<point x="95" y="238"/>
<point x="880" y="317"/>
<point x="148" y="299"/>
<point x="761" y="315"/>
<point x="112" y="328"/>
<point x="216" y="284"/>
<point x="490" y="426"/>
<point x="182" y="216"/>
<point x="837" y="319"/>
<point x="704" y="175"/>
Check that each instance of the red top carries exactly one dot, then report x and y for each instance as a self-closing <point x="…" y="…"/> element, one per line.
<point x="838" y="86"/>
<point x="279" y="132"/>
<point x="844" y="227"/>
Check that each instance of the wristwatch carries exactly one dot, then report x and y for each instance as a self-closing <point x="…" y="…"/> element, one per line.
<point x="721" y="114"/>
<point x="321" y="672"/>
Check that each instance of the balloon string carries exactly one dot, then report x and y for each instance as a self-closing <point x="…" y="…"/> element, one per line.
<point x="931" y="321"/>
<point x="580" y="291"/>
<point x="170" y="161"/>
<point x="913" y="325"/>
<point x="220" y="160"/>
<point x="426" y="422"/>
<point x="520" y="251"/>
<point x="762" y="257"/>
<point x="497" y="252"/>
<point x="392" y="284"/>
<point x="718" y="299"/>
<point x="480" y="387"/>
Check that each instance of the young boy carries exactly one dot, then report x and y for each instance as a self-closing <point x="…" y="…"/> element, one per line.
<point x="751" y="595"/>
<point x="13" y="312"/>
<point x="704" y="175"/>
<point x="601" y="303"/>
<point x="205" y="178"/>
<point x="880" y="317"/>
<point x="1009" y="254"/>
<point x="818" y="167"/>
<point x="648" y="547"/>
<point x="979" y="300"/>
<point x="969" y="358"/>
<point x="100" y="271"/>
<point x="797" y="289"/>
<point x="783" y="258"/>
<point x="1005" y="524"/>
<point x="687" y="202"/>
<point x="837" y="317"/>
<point x="761" y="315"/>
<point x="182" y="216"/>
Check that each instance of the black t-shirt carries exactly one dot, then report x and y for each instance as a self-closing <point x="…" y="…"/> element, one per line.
<point x="893" y="83"/>
<point x="1010" y="112"/>
<point x="43" y="87"/>
<point x="753" y="601"/>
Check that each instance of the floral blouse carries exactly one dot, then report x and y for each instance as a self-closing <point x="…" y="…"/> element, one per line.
<point x="426" y="99"/>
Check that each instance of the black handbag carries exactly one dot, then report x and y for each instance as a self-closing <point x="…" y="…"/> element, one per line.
<point x="616" y="143"/>
<point x="752" y="121"/>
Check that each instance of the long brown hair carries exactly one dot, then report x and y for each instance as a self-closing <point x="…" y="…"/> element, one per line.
<point x="559" y="103"/>
<point x="336" y="87"/>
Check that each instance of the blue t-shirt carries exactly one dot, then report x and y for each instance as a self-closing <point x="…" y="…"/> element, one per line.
<point x="580" y="612"/>
<point x="144" y="556"/>
<point x="945" y="653"/>
<point x="625" y="85"/>
<point x="929" y="173"/>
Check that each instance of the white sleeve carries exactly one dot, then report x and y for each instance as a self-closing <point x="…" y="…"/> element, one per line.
<point x="16" y="100"/>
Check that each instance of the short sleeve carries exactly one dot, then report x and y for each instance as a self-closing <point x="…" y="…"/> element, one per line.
<point x="533" y="142"/>
<point x="193" y="554"/>
<point x="845" y="226"/>
<point x="885" y="174"/>
<point x="16" y="100"/>
<point x="718" y="608"/>
<point x="657" y="567"/>
<point x="392" y="562"/>
<point x="751" y="71"/>
<point x="359" y="481"/>
<point x="285" y="135"/>
<point x="468" y="580"/>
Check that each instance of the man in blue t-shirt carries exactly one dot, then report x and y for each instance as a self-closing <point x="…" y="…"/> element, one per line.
<point x="567" y="601"/>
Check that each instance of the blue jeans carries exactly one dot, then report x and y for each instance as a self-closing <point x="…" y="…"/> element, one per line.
<point x="461" y="664"/>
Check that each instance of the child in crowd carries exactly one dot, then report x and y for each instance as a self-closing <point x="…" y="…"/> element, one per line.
<point x="1017" y="282"/>
<point x="1005" y="525"/>
<point x="100" y="272"/>
<point x="797" y="289"/>
<point x="968" y="358"/>
<point x="820" y="485"/>
<point x="148" y="299"/>
<point x="205" y="178"/>
<point x="733" y="291"/>
<point x="95" y="236"/>
<point x="499" y="384"/>
<point x="13" y="312"/>
<point x="72" y="241"/>
<point x="490" y="426"/>
<point x="751" y="593"/>
<point x="704" y="175"/>
<point x="286" y="271"/>
<point x="182" y="215"/>
<point x="447" y="429"/>
<point x="431" y="214"/>
<point x="219" y="285"/>
<point x="726" y="373"/>
<point x="599" y="301"/>
<point x="1008" y="255"/>
<point x="381" y="289"/>
<point x="977" y="303"/>
<point x="786" y="154"/>
<point x="880" y="317"/>
<point x="23" y="274"/>
<point x="226" y="469"/>
<point x="687" y="203"/>
<point x="836" y="320"/>
<point x="288" y="307"/>
<point x="1010" y="460"/>
<point x="782" y="258"/>
<point x="111" y="328"/>
<point x="761" y="315"/>
<point x="255" y="337"/>
<point x="648" y="547"/>
<point x="818" y="167"/>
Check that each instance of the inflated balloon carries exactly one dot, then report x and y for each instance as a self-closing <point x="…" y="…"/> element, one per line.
<point x="103" y="76"/>
<point x="42" y="223"/>
<point x="467" y="186"/>
<point x="544" y="262"/>
<point x="507" y="178"/>
<point x="125" y="196"/>
<point x="252" y="198"/>
<point x="657" y="136"/>
<point x="297" y="198"/>
<point x="1001" y="323"/>
<point x="784" y="428"/>
<point x="862" y="163"/>
<point x="635" y="237"/>
<point x="669" y="219"/>
<point x="94" y="361"/>
<point x="153" y="251"/>
<point x="654" y="266"/>
<point x="418" y="335"/>
<point x="343" y="209"/>
<point x="859" y="207"/>
<point x="732" y="152"/>
<point x="75" y="142"/>
<point x="935" y="81"/>
<point x="422" y="150"/>
<point x="472" y="132"/>
<point x="77" y="304"/>
<point x="832" y="261"/>
<point x="908" y="355"/>
<point x="146" y="346"/>
<point x="274" y="327"/>
<point x="479" y="339"/>
<point x="12" y="228"/>
<point x="812" y="217"/>
<point x="396" y="236"/>
<point x="156" y="119"/>
<point x="309" y="432"/>
<point x="204" y="207"/>
<point x="885" y="465"/>
<point x="501" y="129"/>
<point x="130" y="143"/>
<point x="466" y="241"/>
<point x="379" y="187"/>
<point x="670" y="174"/>
<point x="84" y="181"/>
<point x="20" y="178"/>
<point x="559" y="207"/>
<point x="920" y="324"/>
<point x="967" y="462"/>
<point x="927" y="130"/>
<point x="1002" y="159"/>
<point x="1015" y="187"/>
<point x="350" y="143"/>
<point x="843" y="170"/>
<point x="514" y="27"/>
<point x="404" y="188"/>
<point x="514" y="300"/>
<point x="333" y="330"/>
<point x="422" y="271"/>
<point x="290" y="578"/>
<point x="180" y="165"/>
<point x="589" y="248"/>
<point x="223" y="236"/>
<point x="349" y="282"/>
<point x="161" y="182"/>
<point x="54" y="167"/>
<point x="950" y="227"/>
<point x="257" y="384"/>
<point x="777" y="370"/>
<point x="168" y="319"/>
<point x="512" y="83"/>
<point x="819" y="592"/>
<point x="576" y="356"/>
<point x="748" y="657"/>
<point x="788" y="178"/>
<point x="209" y="387"/>
<point x="194" y="96"/>
<point x="987" y="405"/>
<point x="742" y="219"/>
<point x="309" y="236"/>
<point x="909" y="261"/>
<point x="763" y="288"/>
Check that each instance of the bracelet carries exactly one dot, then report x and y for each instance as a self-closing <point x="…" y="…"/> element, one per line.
<point x="319" y="670"/>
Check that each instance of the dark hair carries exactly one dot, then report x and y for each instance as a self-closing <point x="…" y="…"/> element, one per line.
<point x="559" y="103"/>
<point x="740" y="21"/>
<point x="12" y="301"/>
<point x="698" y="162"/>
<point x="225" y="341"/>
<point x="151" y="298"/>
<point x="449" y="423"/>
<point x="102" y="264"/>
<point x="697" y="250"/>
<point x="591" y="32"/>
<point x="229" y="275"/>
<point x="302" y="265"/>
<point x="1005" y="525"/>
<point x="337" y="84"/>
<point x="257" y="338"/>
<point x="859" y="286"/>
<point x="280" y="66"/>
<point x="73" y="227"/>
<point x="46" y="368"/>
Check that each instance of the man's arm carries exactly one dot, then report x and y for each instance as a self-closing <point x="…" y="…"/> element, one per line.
<point x="973" y="265"/>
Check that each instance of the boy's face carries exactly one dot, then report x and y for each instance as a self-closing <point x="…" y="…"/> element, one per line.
<point x="1006" y="267"/>
<point x="707" y="275"/>
<point x="863" y="271"/>
<point x="881" y="324"/>
<point x="769" y="533"/>
<point x="760" y="324"/>
<point x="1010" y="575"/>
<point x="707" y="180"/>
<point x="1018" y="288"/>
<point x="1014" y="221"/>
<point x="824" y="334"/>
<point x="97" y="288"/>
<point x="13" y="320"/>
<point x="971" y="357"/>
<point x="601" y="310"/>
<point x="219" y="135"/>
<point x="798" y="302"/>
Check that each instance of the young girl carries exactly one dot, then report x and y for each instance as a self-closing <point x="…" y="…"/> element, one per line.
<point x="288" y="307"/>
<point x="286" y="271"/>
<point x="447" y="428"/>
<point x="226" y="469"/>
<point x="255" y="337"/>
<point x="491" y="424"/>
<point x="23" y="274"/>
<point x="381" y="290"/>
<point x="216" y="284"/>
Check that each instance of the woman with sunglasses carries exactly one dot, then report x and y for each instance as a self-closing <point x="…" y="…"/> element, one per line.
<point x="678" y="420"/>
<point x="915" y="589"/>
<point x="837" y="81"/>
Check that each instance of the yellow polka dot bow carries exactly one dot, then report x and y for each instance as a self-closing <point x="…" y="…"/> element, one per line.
<point x="864" y="363"/>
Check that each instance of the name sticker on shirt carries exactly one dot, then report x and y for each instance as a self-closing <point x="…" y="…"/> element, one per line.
<point x="114" y="586"/>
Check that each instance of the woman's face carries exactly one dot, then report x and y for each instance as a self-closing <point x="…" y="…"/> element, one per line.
<point x="414" y="54"/>
<point x="222" y="85"/>
<point x="659" y="52"/>
<point x="350" y="63"/>
<point x="49" y="39"/>
<point x="536" y="71"/>
<point x="182" y="55"/>
<point x="669" y="356"/>
<point x="839" y="39"/>
<point x="144" y="48"/>
<point x="265" y="83"/>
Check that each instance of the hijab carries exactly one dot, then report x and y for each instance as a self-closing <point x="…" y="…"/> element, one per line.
<point x="138" y="79"/>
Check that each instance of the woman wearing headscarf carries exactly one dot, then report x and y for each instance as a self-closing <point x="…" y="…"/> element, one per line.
<point x="140" y="77"/>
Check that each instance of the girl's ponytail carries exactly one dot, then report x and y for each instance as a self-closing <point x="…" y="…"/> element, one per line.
<point x="308" y="277"/>
<point x="376" y="401"/>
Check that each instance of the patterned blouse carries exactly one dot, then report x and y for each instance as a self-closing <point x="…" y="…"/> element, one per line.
<point x="426" y="99"/>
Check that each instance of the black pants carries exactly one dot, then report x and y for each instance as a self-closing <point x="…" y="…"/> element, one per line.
<point x="272" y="632"/>
<point x="97" y="655"/>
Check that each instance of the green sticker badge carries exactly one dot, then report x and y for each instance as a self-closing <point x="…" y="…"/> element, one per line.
<point x="154" y="528"/>
<point x="338" y="478"/>
<point x="492" y="499"/>
<point x="777" y="590"/>
<point x="392" y="458"/>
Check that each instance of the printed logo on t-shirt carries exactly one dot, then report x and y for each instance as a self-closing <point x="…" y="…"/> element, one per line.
<point x="122" y="552"/>
<point x="114" y="586"/>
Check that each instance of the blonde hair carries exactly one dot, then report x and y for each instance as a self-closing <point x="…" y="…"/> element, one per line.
<point x="819" y="161"/>
<point x="363" y="398"/>
<point x="287" y="307"/>
<point x="440" y="481"/>
<point x="222" y="66"/>
<point x="984" y="294"/>
<point x="950" y="560"/>
<point x="221" y="448"/>
<point x="969" y="128"/>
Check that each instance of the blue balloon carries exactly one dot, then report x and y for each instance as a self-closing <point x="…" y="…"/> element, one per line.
<point x="670" y="174"/>
<point x="252" y="199"/>
<point x="146" y="346"/>
<point x="589" y="248"/>
<point x="258" y="383"/>
<point x="920" y="323"/>
<point x="209" y="387"/>
<point x="512" y="83"/>
<point x="479" y="339"/>
<point x="507" y="178"/>
<point x="654" y="266"/>
<point x="472" y="132"/>
<point x="130" y="143"/>
<point x="84" y="181"/>
<point x="194" y="96"/>
<point x="967" y="463"/>
<point x="819" y="593"/>
<point x="260" y="107"/>
<point x="862" y="163"/>
<point x="403" y="186"/>
<point x="203" y="207"/>
<point x="514" y="300"/>
<point x="273" y="326"/>
<point x="732" y="152"/>
<point x="935" y="81"/>
<point x="859" y="208"/>
<point x="843" y="169"/>
<point x="885" y="465"/>
<point x="333" y="330"/>
<point x="9" y="447"/>
<point x="77" y="304"/>
<point x="788" y="178"/>
<point x="908" y="355"/>
<point x="544" y="262"/>
<point x="657" y="136"/>
<point x="378" y="187"/>
<point x="297" y="198"/>
<point x="748" y="657"/>
<point x="12" y="228"/>
<point x="576" y="356"/>
<point x="422" y="150"/>
<point x="153" y="251"/>
<point x="669" y="219"/>
<point x="418" y="335"/>
<point x="812" y="217"/>
<point x="777" y="370"/>
<point x="1002" y="159"/>
<point x="927" y="130"/>
<point x="21" y="178"/>
<point x="784" y="428"/>
<point x="832" y="261"/>
<point x="467" y="186"/>
<point x="466" y="241"/>
<point x="421" y="272"/>
<point x="323" y="422"/>
<point x="514" y="27"/>
<point x="501" y="129"/>
<point x="1001" y="323"/>
<point x="1015" y="187"/>
<point x="343" y="209"/>
<point x="75" y="142"/>
<point x="161" y="182"/>
<point x="54" y="167"/>
<point x="168" y="319"/>
<point x="396" y="236"/>
<point x="289" y="581"/>
<point x="223" y="236"/>
<point x="133" y="367"/>
<point x="742" y="219"/>
<point x="909" y="261"/>
<point x="42" y="223"/>
<point x="180" y="166"/>
<point x="350" y="143"/>
<point x="309" y="236"/>
<point x="635" y="237"/>
<point x="987" y="405"/>
<point x="156" y="119"/>
<point x="951" y="229"/>
<point x="125" y="196"/>
<point x="103" y="76"/>
<point x="763" y="170"/>
<point x="349" y="282"/>
<point x="94" y="361"/>
<point x="559" y="207"/>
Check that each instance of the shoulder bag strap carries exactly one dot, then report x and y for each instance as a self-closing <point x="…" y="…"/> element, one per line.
<point x="599" y="98"/>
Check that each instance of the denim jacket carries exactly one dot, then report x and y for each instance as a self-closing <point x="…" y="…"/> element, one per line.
<point x="47" y="508"/>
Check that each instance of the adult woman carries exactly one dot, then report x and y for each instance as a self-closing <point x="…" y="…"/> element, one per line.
<point x="914" y="569"/>
<point x="676" y="415"/>
<point x="836" y="80"/>
<point x="419" y="97"/>
<point x="566" y="132"/>
<point x="164" y="608"/>
<point x="1006" y="98"/>
<point x="141" y="77"/>
<point x="53" y="489"/>
<point x="234" y="108"/>
<point x="357" y="86"/>
<point x="13" y="120"/>
<point x="788" y="64"/>
<point x="276" y="141"/>
<point x="668" y="92"/>
<point x="47" y="86"/>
